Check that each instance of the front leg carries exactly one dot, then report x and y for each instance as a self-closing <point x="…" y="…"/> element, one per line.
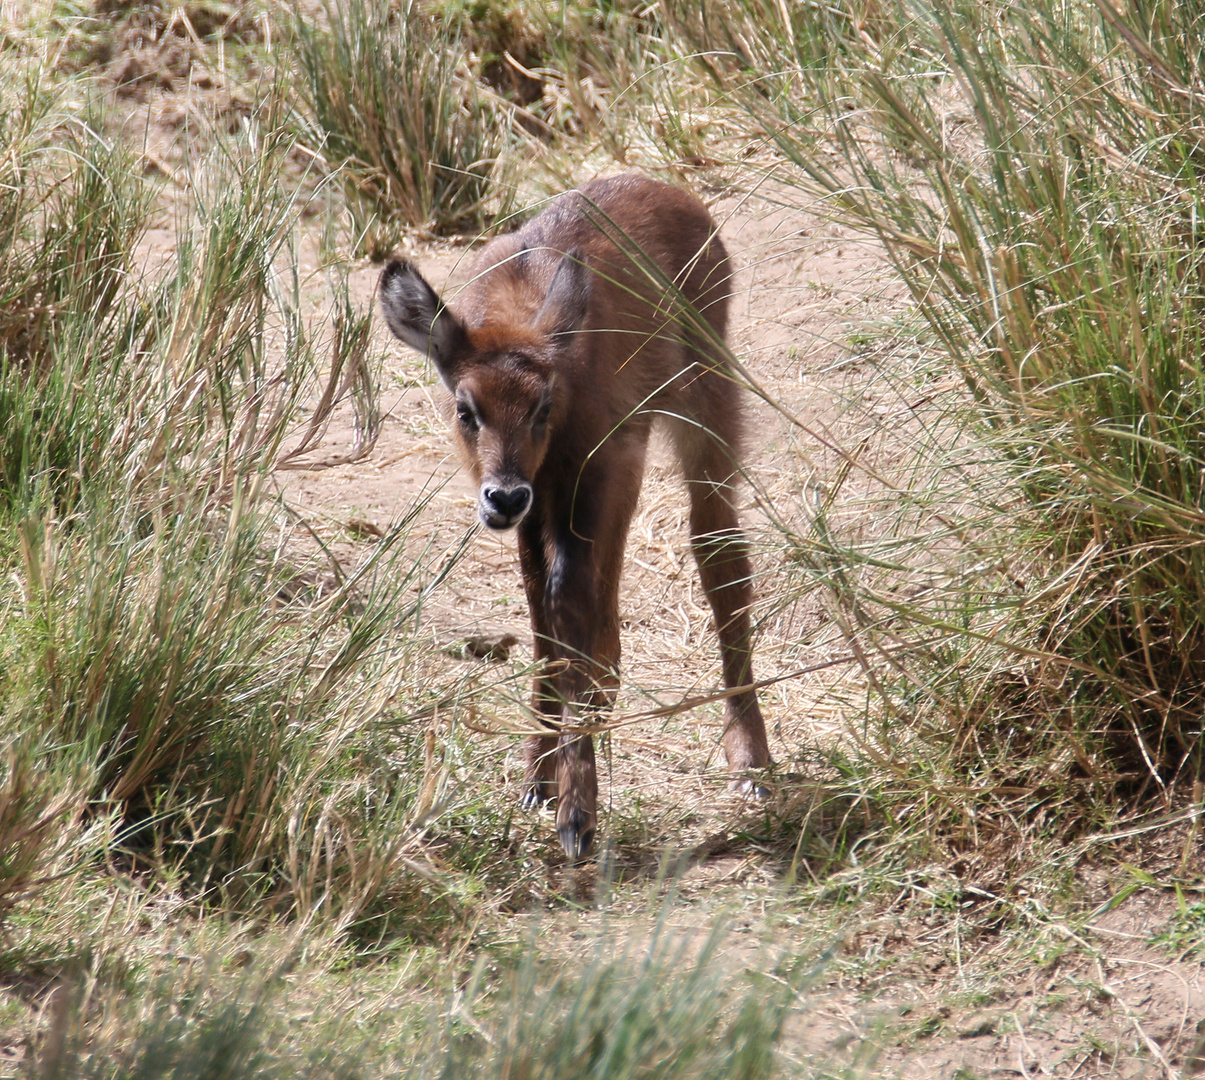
<point x="572" y="605"/>
<point x="539" y="751"/>
<point x="563" y="603"/>
<point x="582" y="607"/>
<point x="577" y="794"/>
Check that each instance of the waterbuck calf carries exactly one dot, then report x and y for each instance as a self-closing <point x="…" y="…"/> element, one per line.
<point x="599" y="316"/>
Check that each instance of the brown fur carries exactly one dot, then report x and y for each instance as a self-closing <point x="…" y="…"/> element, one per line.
<point x="579" y="315"/>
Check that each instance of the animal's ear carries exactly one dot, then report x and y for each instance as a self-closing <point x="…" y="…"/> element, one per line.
<point x="564" y="308"/>
<point x="416" y="315"/>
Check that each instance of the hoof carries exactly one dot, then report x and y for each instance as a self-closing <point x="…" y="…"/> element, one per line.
<point x="577" y="835"/>
<point x="534" y="798"/>
<point x="749" y="789"/>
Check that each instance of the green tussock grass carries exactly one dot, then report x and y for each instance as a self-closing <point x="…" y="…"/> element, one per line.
<point x="390" y="101"/>
<point x="1037" y="192"/>
<point x="660" y="1003"/>
<point x="161" y="665"/>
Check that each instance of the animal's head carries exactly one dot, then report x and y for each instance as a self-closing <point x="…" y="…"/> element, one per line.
<point x="502" y="376"/>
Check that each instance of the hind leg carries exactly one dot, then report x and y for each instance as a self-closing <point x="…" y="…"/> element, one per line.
<point x="539" y="771"/>
<point x="722" y="554"/>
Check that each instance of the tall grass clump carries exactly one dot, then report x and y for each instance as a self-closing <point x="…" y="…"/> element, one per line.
<point x="71" y="209"/>
<point x="1034" y="173"/>
<point x="388" y="97"/>
<point x="70" y="213"/>
<point x="619" y="80"/>
<point x="585" y="78"/>
<point x="757" y="52"/>
<point x="667" y="1006"/>
<point x="166" y="666"/>
<point x="641" y="1003"/>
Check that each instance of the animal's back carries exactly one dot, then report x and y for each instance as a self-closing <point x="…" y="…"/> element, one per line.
<point x="650" y="246"/>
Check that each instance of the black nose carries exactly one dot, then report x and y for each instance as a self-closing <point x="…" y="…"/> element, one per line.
<point x="508" y="502"/>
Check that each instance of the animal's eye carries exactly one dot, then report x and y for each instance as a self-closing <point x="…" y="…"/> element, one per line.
<point x="467" y="418"/>
<point x="542" y="414"/>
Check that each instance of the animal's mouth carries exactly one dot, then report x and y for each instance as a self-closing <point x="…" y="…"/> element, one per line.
<point x="500" y="522"/>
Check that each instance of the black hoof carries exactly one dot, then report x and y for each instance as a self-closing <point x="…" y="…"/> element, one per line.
<point x="577" y="836"/>
<point x="749" y="789"/>
<point x="534" y="798"/>
<point x="538" y="793"/>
